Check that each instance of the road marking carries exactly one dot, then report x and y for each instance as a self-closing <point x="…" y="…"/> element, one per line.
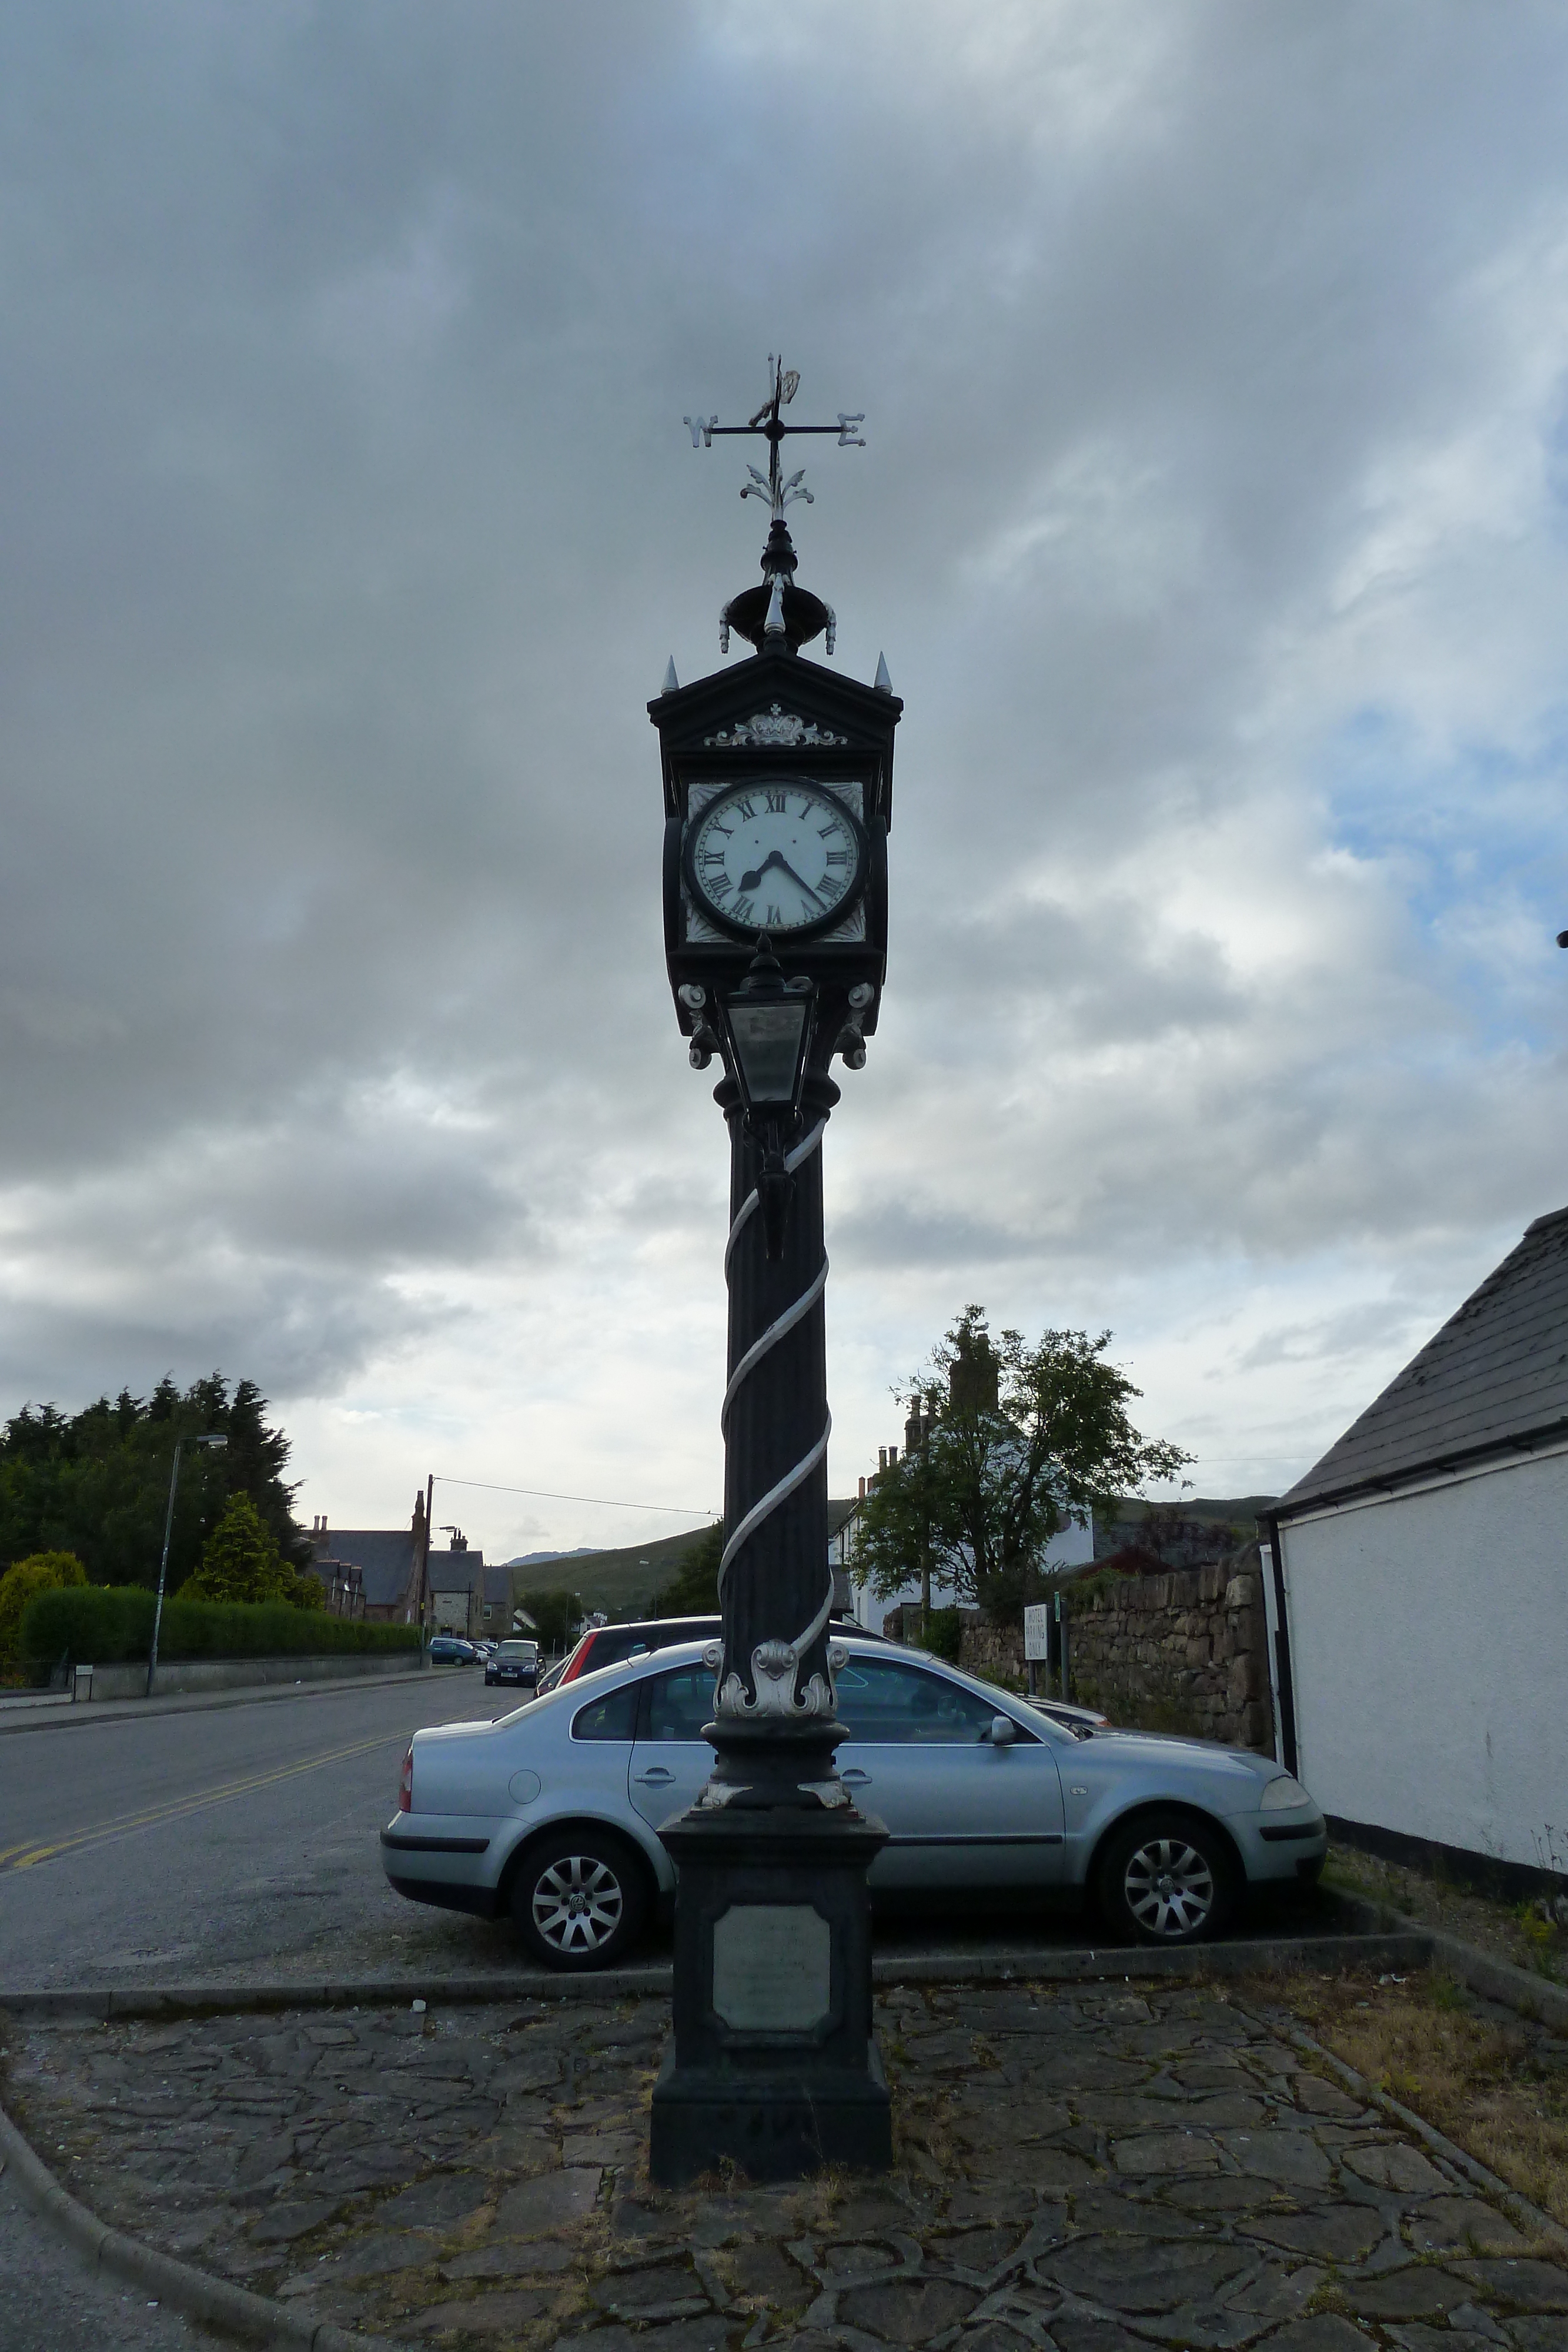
<point x="25" y="1857"/>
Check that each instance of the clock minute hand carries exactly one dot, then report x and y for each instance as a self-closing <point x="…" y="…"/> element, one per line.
<point x="785" y="867"/>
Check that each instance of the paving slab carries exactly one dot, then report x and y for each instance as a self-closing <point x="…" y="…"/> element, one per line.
<point x="1079" y="2169"/>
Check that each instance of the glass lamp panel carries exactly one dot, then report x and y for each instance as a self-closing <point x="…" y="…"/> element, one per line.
<point x="767" y="1047"/>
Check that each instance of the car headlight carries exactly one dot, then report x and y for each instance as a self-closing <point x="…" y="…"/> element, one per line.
<point x="1280" y="1795"/>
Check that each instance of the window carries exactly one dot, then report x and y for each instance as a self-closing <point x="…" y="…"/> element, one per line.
<point x="680" y="1704"/>
<point x="613" y="1716"/>
<point x="905" y="1703"/>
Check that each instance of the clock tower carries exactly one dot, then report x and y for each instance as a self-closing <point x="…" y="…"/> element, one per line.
<point x="777" y="782"/>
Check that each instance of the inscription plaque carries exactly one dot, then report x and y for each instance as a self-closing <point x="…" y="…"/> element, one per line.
<point x="772" y="1967"/>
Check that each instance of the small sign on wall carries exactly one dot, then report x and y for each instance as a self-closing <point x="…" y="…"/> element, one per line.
<point x="1037" y="1631"/>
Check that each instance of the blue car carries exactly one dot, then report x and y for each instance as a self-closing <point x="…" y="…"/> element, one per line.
<point x="451" y="1650"/>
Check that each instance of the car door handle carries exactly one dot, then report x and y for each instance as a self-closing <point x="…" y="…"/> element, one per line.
<point x="655" y="1777"/>
<point x="855" y="1779"/>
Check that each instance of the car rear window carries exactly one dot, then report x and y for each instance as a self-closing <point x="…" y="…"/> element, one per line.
<point x="614" y="1642"/>
<point x="613" y="1717"/>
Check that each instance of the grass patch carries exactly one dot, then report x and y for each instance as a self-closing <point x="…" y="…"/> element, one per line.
<point x="1519" y="1933"/>
<point x="1498" y="2091"/>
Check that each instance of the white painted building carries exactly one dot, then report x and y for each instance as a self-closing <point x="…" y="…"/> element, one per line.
<point x="1420" y="1579"/>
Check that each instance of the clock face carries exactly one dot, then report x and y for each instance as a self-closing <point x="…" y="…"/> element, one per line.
<point x="784" y="856"/>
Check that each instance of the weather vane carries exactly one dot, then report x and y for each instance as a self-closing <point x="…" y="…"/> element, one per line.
<point x="784" y="615"/>
<point x="779" y="490"/>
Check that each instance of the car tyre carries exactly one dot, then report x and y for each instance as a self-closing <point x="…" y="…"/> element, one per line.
<point x="1167" y="1878"/>
<point x="578" y="1900"/>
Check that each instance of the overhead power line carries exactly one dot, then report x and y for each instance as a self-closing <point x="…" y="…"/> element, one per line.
<point x="604" y="1502"/>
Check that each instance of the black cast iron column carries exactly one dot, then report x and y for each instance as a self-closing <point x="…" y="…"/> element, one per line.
<point x="775" y="1585"/>
<point x="773" y="2065"/>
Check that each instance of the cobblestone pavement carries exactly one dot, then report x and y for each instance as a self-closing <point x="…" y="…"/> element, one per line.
<point x="1081" y="2169"/>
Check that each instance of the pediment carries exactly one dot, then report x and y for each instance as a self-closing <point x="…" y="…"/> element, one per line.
<point x="775" y="703"/>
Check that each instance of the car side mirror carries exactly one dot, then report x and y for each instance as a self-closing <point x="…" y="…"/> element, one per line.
<point x="1004" y="1732"/>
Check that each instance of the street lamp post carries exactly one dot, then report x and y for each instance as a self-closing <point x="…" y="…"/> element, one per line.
<point x="777" y="794"/>
<point x="164" y="1563"/>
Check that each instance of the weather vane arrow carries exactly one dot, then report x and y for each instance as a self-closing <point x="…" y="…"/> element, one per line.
<point x="779" y="490"/>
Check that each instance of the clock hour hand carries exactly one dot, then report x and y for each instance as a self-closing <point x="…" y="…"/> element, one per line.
<point x="749" y="881"/>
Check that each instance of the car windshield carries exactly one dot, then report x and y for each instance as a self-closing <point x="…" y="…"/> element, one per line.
<point x="517" y="1650"/>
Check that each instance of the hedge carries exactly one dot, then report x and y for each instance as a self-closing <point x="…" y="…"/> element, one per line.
<point x="97" y="1624"/>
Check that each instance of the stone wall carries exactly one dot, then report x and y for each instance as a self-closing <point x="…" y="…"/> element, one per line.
<point x="1183" y="1651"/>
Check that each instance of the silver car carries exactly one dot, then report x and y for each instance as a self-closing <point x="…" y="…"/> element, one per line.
<point x="552" y="1813"/>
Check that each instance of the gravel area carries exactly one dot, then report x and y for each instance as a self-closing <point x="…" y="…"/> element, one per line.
<point x="1077" y="2168"/>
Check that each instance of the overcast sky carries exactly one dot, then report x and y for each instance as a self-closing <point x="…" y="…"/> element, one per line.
<point x="1212" y="521"/>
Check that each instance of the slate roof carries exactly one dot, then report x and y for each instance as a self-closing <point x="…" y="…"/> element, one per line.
<point x="1495" y="1377"/>
<point x="455" y="1571"/>
<point x="387" y="1558"/>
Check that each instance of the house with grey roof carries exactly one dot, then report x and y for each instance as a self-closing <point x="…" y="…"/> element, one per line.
<point x="456" y="1582"/>
<point x="1418" y="1588"/>
<point x="377" y="1570"/>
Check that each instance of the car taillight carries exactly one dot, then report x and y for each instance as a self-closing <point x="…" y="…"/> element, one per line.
<point x="405" y="1783"/>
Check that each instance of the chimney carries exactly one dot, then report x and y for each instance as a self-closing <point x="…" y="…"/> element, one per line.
<point x="862" y="1490"/>
<point x="418" y="1513"/>
<point x="893" y="1457"/>
<point x="881" y="1458"/>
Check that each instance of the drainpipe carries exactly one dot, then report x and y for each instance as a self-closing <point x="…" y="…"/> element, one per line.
<point x="1284" y="1686"/>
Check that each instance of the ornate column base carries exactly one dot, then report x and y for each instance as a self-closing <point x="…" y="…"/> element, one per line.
<point x="773" y="2065"/>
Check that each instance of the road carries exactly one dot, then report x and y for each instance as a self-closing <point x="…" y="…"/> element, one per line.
<point x="55" y="2302"/>
<point x="223" y="1844"/>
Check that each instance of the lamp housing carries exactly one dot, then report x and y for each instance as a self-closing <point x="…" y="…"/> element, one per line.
<point x="766" y="1027"/>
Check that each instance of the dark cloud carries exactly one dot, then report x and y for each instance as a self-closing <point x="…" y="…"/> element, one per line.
<point x="1211" y="521"/>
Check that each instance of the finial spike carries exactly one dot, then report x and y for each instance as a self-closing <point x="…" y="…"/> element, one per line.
<point x="773" y="624"/>
<point x="671" y="683"/>
<point x="883" y="683"/>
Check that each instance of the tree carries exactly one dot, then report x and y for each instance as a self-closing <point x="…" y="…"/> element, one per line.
<point x="242" y="1563"/>
<point x="693" y="1590"/>
<point x="97" y="1483"/>
<point x="553" y="1614"/>
<point x="21" y="1583"/>
<point x="1018" y="1442"/>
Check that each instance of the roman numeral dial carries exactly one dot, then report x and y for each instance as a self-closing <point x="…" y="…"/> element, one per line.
<point x="787" y="858"/>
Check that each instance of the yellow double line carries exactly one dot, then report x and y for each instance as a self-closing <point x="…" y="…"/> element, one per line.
<point x="23" y="1858"/>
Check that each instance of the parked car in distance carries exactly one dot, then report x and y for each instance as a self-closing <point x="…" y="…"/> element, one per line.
<point x="513" y="1661"/>
<point x="606" y="1646"/>
<point x="451" y="1650"/>
<point x="1075" y="1717"/>
<point x="552" y="1813"/>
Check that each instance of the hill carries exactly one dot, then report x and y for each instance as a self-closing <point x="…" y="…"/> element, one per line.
<point x="619" y="1582"/>
<point x="622" y="1582"/>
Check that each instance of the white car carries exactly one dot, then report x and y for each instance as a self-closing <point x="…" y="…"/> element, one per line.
<point x="552" y="1813"/>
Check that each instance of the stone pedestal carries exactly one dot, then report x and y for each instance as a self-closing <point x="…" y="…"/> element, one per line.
<point x="773" y="2067"/>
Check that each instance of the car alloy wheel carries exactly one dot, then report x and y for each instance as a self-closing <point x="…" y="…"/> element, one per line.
<point x="579" y="1901"/>
<point x="1166" y="1880"/>
<point x="1169" y="1887"/>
